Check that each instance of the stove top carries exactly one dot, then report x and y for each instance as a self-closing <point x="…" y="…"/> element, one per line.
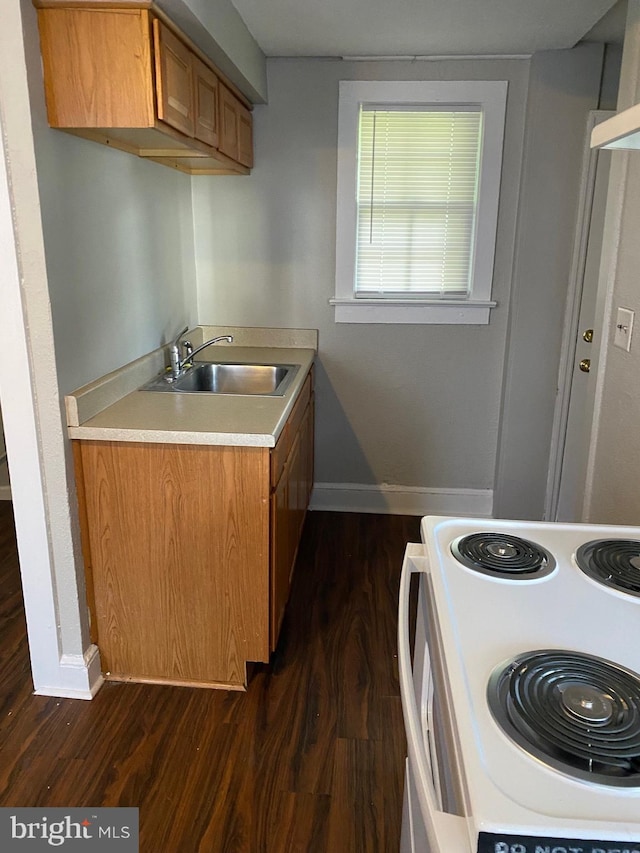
<point x="534" y="628"/>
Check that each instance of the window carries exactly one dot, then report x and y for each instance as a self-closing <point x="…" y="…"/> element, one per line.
<point x="418" y="185"/>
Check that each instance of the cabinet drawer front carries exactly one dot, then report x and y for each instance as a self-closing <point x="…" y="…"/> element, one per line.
<point x="299" y="409"/>
<point x="279" y="456"/>
<point x="173" y="79"/>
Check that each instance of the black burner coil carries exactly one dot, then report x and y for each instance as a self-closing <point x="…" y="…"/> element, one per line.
<point x="612" y="562"/>
<point x="502" y="555"/>
<point x="595" y="736"/>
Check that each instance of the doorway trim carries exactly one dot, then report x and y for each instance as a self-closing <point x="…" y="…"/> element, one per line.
<point x="63" y="660"/>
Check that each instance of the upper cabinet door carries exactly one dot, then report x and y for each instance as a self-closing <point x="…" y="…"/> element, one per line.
<point x="174" y="82"/>
<point x="97" y="67"/>
<point x="228" y="141"/>
<point x="245" y="136"/>
<point x="236" y="134"/>
<point x="206" y="103"/>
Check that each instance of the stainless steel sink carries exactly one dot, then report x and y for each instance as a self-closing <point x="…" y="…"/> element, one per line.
<point x="266" y="380"/>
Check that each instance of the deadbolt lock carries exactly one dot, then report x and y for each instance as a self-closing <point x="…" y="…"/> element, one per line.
<point x="585" y="365"/>
<point x="587" y="335"/>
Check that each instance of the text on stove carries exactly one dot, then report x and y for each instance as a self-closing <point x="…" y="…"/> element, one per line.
<point x="503" y="847"/>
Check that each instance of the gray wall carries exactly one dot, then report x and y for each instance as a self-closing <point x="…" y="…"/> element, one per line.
<point x="564" y="86"/>
<point x="119" y="244"/>
<point x="217" y="28"/>
<point x="405" y="405"/>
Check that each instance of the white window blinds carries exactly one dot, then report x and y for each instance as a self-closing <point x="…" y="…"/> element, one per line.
<point x="417" y="191"/>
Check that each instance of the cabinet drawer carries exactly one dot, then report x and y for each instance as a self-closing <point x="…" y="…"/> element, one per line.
<point x="283" y="445"/>
<point x="279" y="456"/>
<point x="293" y="421"/>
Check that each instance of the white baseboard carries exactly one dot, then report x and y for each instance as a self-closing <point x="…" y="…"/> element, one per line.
<point x="80" y="677"/>
<point x="401" y="500"/>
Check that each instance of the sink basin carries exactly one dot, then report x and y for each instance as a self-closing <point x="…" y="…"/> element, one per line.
<point x="267" y="380"/>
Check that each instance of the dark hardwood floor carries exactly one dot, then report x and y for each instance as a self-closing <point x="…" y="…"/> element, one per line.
<point x="309" y="759"/>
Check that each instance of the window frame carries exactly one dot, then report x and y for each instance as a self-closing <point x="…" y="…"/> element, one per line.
<point x="491" y="97"/>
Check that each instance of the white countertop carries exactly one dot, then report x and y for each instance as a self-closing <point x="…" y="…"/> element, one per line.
<point x="108" y="410"/>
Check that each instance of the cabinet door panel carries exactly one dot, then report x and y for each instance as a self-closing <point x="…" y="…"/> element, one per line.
<point x="296" y="493"/>
<point x="280" y="557"/>
<point x="245" y="136"/>
<point x="173" y="79"/>
<point x="228" y="140"/>
<point x="206" y="103"/>
<point x="308" y="451"/>
<point x="178" y="542"/>
<point x="97" y="67"/>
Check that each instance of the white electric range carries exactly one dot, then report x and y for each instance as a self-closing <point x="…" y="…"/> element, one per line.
<point x="522" y="701"/>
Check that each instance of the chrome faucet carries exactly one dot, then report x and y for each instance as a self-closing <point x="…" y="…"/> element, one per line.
<point x="191" y="352"/>
<point x="177" y="364"/>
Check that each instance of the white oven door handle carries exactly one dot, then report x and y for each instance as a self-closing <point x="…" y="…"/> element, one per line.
<point x="446" y="833"/>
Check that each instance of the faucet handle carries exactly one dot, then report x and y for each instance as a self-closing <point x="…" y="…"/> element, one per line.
<point x="188" y="352"/>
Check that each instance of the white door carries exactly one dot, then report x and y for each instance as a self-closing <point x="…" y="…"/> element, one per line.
<point x="574" y="411"/>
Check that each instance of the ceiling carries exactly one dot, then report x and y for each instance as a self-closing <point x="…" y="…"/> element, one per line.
<point x="420" y="27"/>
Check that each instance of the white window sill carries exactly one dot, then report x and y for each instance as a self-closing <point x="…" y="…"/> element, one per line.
<point x="454" y="311"/>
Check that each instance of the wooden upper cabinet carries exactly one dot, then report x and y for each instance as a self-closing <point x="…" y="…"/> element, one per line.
<point x="127" y="77"/>
<point x="174" y="80"/>
<point x="206" y="92"/>
<point x="81" y="49"/>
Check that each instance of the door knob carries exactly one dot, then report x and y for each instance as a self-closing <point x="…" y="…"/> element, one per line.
<point x="587" y="335"/>
<point x="585" y="365"/>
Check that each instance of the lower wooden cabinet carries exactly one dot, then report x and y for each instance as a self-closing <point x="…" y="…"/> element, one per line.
<point x="189" y="552"/>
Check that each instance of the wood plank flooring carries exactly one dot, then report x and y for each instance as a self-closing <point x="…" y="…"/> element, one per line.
<point x="309" y="760"/>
